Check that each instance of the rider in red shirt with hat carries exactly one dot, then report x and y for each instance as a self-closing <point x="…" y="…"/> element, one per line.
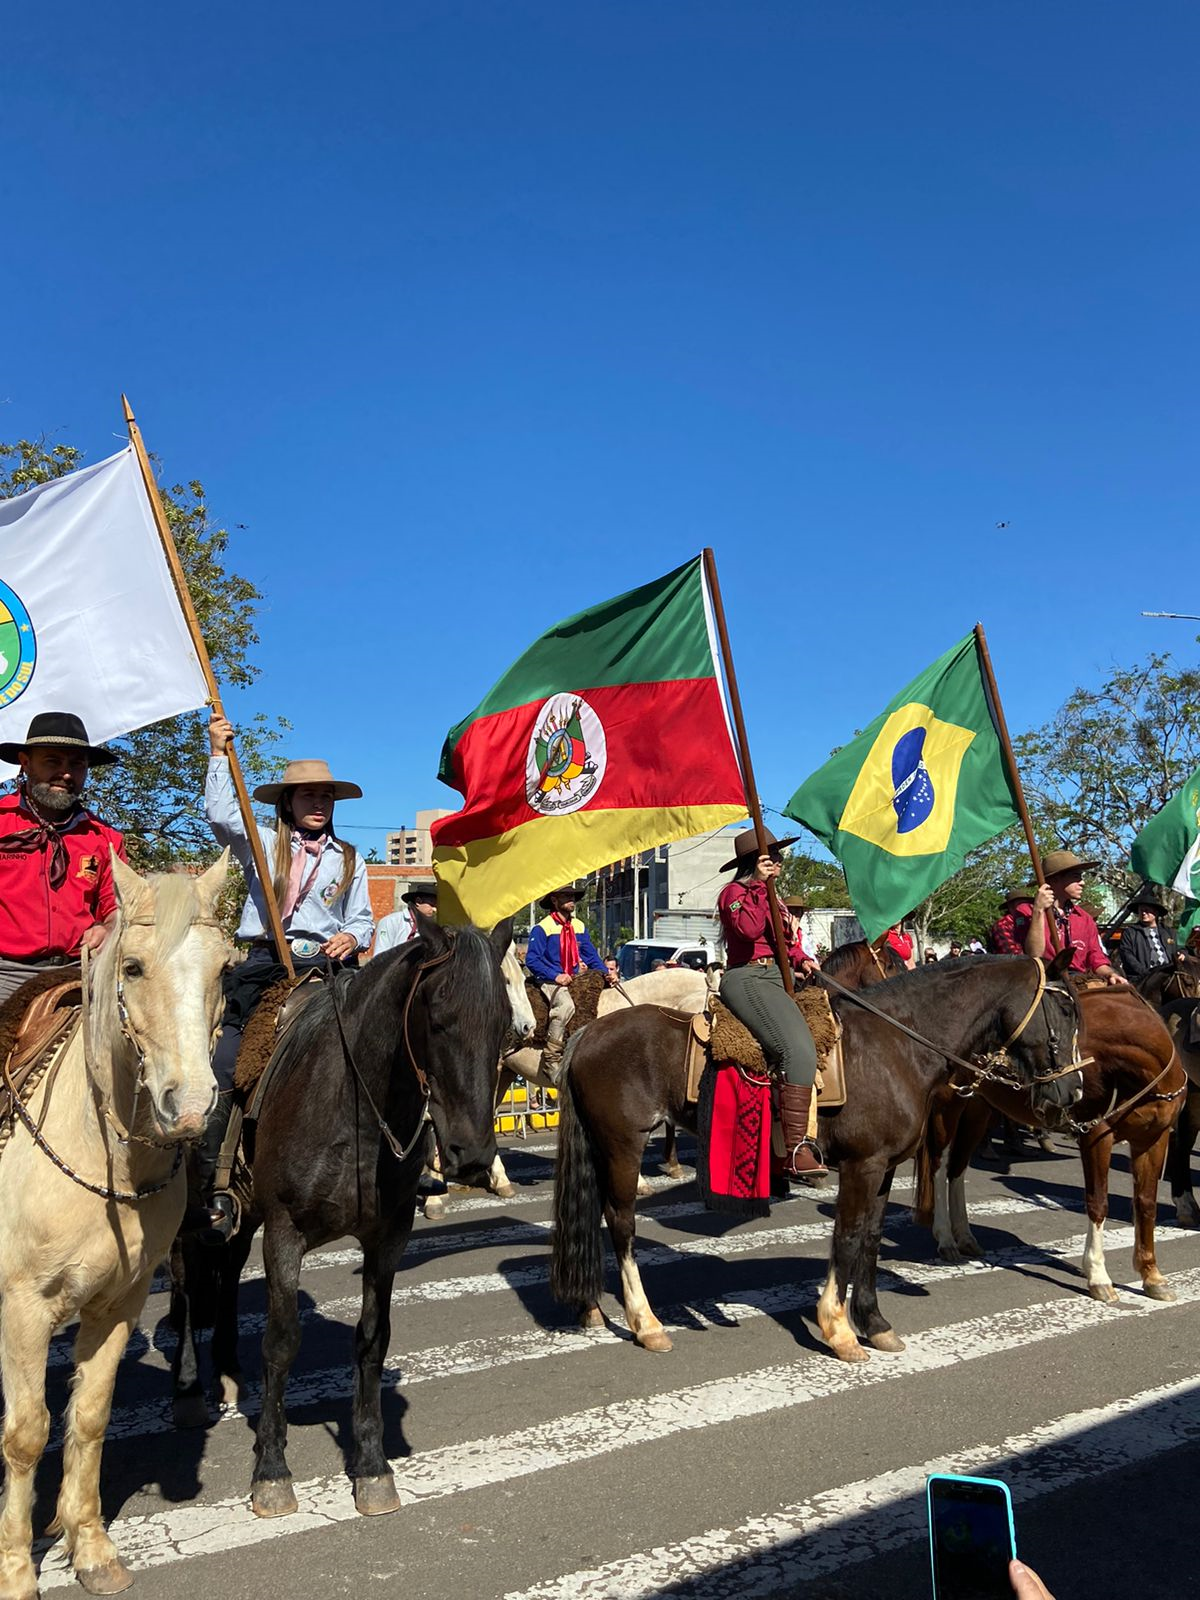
<point x="56" y="887"/>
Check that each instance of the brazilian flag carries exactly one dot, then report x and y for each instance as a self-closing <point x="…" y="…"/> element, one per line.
<point x="902" y="805"/>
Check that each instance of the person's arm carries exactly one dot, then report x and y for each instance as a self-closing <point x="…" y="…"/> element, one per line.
<point x="537" y="957"/>
<point x="1035" y="939"/>
<point x="1095" y="957"/>
<point x="357" y="919"/>
<point x="747" y="911"/>
<point x="588" y="951"/>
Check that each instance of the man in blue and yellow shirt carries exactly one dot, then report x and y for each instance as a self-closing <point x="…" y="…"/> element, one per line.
<point x="559" y="947"/>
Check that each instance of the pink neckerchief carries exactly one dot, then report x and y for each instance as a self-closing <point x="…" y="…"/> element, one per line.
<point x="295" y="891"/>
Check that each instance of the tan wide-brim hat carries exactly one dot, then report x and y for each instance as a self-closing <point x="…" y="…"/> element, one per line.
<point x="315" y="772"/>
<point x="795" y="902"/>
<point x="1014" y="897"/>
<point x="1065" y="861"/>
<point x="746" y="846"/>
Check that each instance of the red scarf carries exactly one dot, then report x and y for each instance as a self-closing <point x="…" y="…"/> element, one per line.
<point x="568" y="944"/>
<point x="44" y="836"/>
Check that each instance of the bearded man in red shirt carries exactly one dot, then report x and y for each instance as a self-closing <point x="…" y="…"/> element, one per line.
<point x="56" y="886"/>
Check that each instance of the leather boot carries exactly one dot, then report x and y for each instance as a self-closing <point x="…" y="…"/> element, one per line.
<point x="218" y="1209"/>
<point x="551" y="1065"/>
<point x="802" y="1158"/>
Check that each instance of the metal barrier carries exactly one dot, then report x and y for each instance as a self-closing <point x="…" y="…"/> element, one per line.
<point x="527" y="1107"/>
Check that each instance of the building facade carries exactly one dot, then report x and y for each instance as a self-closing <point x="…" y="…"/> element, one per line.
<point x="412" y="847"/>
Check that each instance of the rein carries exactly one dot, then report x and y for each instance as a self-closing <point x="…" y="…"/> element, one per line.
<point x="987" y="1069"/>
<point x="1115" y="1115"/>
<point x="401" y="1152"/>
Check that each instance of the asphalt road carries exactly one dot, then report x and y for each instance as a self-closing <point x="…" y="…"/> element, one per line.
<point x="536" y="1462"/>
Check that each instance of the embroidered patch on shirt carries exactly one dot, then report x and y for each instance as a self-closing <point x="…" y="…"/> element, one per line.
<point x="735" y="905"/>
<point x="89" y="868"/>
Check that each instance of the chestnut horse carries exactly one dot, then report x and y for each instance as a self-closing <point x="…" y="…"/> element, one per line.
<point x="1175" y="992"/>
<point x="1132" y="1090"/>
<point x="626" y="1072"/>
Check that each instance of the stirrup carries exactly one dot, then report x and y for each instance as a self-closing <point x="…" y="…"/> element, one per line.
<point x="810" y="1146"/>
<point x="224" y="1217"/>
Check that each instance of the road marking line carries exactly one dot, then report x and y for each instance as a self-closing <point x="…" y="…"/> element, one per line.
<point x="181" y="1533"/>
<point x="747" y="1561"/>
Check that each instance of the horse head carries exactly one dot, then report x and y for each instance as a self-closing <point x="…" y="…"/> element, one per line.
<point x="157" y="987"/>
<point x="455" y="1021"/>
<point x="523" y="1021"/>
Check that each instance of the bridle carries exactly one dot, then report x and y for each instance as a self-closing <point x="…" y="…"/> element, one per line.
<point x="994" y="1066"/>
<point x="400" y="1151"/>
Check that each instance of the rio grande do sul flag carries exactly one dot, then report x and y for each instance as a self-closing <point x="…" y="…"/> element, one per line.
<point x="904" y="802"/>
<point x="608" y="736"/>
<point x="89" y="618"/>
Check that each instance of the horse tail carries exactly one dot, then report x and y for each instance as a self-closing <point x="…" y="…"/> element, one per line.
<point x="576" y="1259"/>
<point x="922" y="1210"/>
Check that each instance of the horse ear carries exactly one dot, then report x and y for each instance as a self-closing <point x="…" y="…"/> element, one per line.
<point x="1059" y="965"/>
<point x="210" y="882"/>
<point x="131" y="888"/>
<point x="431" y="933"/>
<point x="501" y="936"/>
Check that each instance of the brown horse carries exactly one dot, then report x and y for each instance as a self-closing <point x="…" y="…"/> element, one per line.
<point x="1175" y="995"/>
<point x="626" y="1072"/>
<point x="1132" y="1090"/>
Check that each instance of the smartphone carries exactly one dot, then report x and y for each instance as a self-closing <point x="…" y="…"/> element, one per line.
<point x="971" y="1537"/>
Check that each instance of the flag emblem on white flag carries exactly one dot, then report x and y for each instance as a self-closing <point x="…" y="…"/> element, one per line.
<point x="89" y="618"/>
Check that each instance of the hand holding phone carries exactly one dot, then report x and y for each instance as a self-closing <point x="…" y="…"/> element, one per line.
<point x="971" y="1537"/>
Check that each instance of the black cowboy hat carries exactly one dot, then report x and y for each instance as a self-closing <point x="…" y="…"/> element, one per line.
<point x="1146" y="897"/>
<point x="577" y="890"/>
<point x="60" y="730"/>
<point x="745" y="846"/>
<point x="420" y="891"/>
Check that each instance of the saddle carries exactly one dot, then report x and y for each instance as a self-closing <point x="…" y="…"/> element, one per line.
<point x="274" y="1014"/>
<point x="586" y="989"/>
<point x="716" y="1035"/>
<point x="35" y="1022"/>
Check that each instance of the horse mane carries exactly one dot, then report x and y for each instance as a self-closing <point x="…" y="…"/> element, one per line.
<point x="471" y="958"/>
<point x="904" y="981"/>
<point x="176" y="907"/>
<point x="844" y="956"/>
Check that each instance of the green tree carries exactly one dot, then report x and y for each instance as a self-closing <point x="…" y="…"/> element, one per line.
<point x="1111" y="757"/>
<point x="967" y="904"/>
<point x="818" y="883"/>
<point x="155" y="795"/>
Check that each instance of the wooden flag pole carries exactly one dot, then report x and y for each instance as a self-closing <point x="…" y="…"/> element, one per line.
<point x="752" y="804"/>
<point x="1014" y="775"/>
<point x="274" y="921"/>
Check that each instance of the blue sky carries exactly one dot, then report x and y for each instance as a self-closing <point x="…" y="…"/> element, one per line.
<point x="475" y="314"/>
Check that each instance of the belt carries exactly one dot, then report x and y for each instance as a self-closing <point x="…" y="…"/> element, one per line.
<point x="42" y="961"/>
<point x="304" y="944"/>
<point x="763" y="961"/>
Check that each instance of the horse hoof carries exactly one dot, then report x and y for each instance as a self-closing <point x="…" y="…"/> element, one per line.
<point x="850" y="1351"/>
<point x="505" y="1191"/>
<point x="1158" y="1291"/>
<point x="190" y="1411"/>
<point x="593" y="1317"/>
<point x="228" y="1389"/>
<point x="644" y="1188"/>
<point x="951" y="1255"/>
<point x="435" y="1207"/>
<point x="273" y="1497"/>
<point x="375" y="1497"/>
<point x="1103" y="1292"/>
<point x="890" y="1342"/>
<point x="656" y="1339"/>
<point x="970" y="1249"/>
<point x="1187" y="1212"/>
<point x="111" y="1578"/>
<point x="675" y="1172"/>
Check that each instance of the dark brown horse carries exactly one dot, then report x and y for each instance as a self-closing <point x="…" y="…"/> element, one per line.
<point x="1175" y="995"/>
<point x="626" y="1072"/>
<point x="1132" y="1091"/>
<point x="338" y="1149"/>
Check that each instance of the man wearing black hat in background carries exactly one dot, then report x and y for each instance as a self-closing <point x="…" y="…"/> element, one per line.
<point x="1145" y="946"/>
<point x="56" y="888"/>
<point x="559" y="948"/>
<point x="398" y="927"/>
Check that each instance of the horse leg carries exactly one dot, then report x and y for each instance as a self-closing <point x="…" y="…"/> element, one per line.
<point x="189" y="1409"/>
<point x="1095" y="1151"/>
<point x="374" y="1485"/>
<point x="943" y="1231"/>
<point x="435" y="1204"/>
<point x="857" y="1181"/>
<point x="498" y="1180"/>
<point x="25" y="1330"/>
<point x="1179" y="1161"/>
<point x="670" y="1153"/>
<point x="970" y="1133"/>
<point x="1147" y="1166"/>
<point x="621" y="1192"/>
<point x="99" y="1346"/>
<point x="864" y="1300"/>
<point x="226" y="1363"/>
<point x="271" y="1492"/>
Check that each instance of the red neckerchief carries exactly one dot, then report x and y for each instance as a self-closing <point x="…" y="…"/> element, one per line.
<point x="568" y="944"/>
<point x="44" y="836"/>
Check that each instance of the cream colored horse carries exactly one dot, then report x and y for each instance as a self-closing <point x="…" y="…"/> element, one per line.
<point x="679" y="988"/>
<point x="85" y="1242"/>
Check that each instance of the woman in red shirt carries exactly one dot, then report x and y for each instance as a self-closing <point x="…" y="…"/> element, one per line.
<point x="753" y="990"/>
<point x="901" y="942"/>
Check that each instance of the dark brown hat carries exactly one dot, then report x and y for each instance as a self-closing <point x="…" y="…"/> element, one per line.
<point x="575" y="890"/>
<point x="420" y="891"/>
<point x="795" y="902"/>
<point x="61" y="730"/>
<point x="745" y="846"/>
<point x="1065" y="861"/>
<point x="1013" y="897"/>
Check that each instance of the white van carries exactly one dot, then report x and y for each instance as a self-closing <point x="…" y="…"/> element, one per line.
<point x="638" y="956"/>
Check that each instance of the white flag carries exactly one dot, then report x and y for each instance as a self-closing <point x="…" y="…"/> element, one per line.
<point x="1187" y="879"/>
<point x="89" y="618"/>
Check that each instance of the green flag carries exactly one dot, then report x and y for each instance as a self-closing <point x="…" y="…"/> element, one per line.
<point x="922" y="786"/>
<point x="1167" y="850"/>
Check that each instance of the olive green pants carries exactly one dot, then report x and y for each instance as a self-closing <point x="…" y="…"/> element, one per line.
<point x="756" y="996"/>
